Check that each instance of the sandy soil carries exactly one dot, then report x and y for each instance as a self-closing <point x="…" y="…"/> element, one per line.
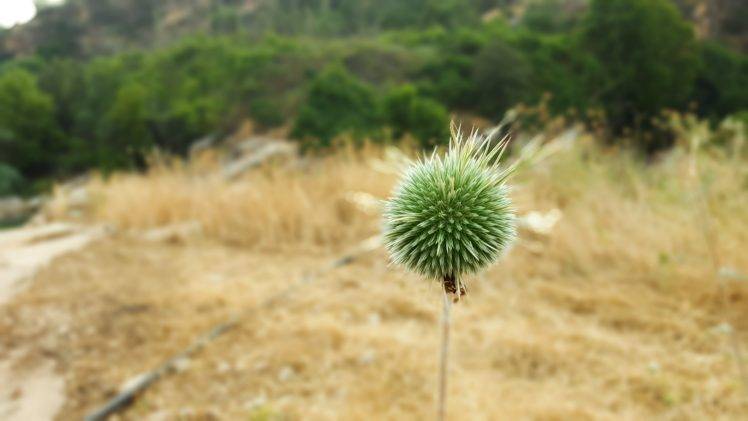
<point x="30" y="389"/>
<point x="30" y="393"/>
<point x="361" y="342"/>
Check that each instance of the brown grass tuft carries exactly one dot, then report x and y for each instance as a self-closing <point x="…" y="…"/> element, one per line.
<point x="326" y="201"/>
<point x="615" y="314"/>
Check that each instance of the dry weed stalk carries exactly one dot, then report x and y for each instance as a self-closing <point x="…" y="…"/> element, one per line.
<point x="697" y="133"/>
<point x="305" y="203"/>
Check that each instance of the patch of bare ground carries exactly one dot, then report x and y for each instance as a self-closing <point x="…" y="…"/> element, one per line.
<point x="359" y="342"/>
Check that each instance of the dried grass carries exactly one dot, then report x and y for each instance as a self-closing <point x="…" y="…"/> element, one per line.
<point x="314" y="202"/>
<point x="614" y="315"/>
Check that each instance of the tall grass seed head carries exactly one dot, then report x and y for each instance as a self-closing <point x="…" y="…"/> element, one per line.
<point x="451" y="215"/>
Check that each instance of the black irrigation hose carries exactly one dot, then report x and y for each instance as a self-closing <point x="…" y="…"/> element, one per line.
<point x="126" y="396"/>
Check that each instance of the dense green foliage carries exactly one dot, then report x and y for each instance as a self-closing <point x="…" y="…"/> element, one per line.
<point x="551" y="16"/>
<point x="650" y="54"/>
<point x="407" y="113"/>
<point x="400" y="68"/>
<point x="502" y="78"/>
<point x="28" y="133"/>
<point x="337" y="103"/>
<point x="10" y="180"/>
<point x="722" y="81"/>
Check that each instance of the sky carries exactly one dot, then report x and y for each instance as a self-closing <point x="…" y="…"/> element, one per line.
<point x="18" y="11"/>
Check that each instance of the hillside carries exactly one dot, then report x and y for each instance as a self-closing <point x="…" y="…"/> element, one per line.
<point x="114" y="82"/>
<point x="89" y="27"/>
<point x="84" y="28"/>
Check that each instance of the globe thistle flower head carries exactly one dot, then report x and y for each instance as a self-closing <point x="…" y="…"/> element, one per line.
<point x="451" y="215"/>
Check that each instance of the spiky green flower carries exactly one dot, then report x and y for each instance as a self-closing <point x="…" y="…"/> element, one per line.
<point x="451" y="215"/>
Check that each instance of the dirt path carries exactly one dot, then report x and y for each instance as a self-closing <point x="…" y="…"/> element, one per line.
<point x="32" y="391"/>
<point x="35" y="393"/>
<point x="359" y="342"/>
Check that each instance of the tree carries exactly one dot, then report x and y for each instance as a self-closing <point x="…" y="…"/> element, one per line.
<point x="337" y="102"/>
<point x="648" y="54"/>
<point x="10" y="180"/>
<point x="423" y="118"/>
<point x="501" y="76"/>
<point x="125" y="138"/>
<point x="29" y="137"/>
<point x="722" y="82"/>
<point x="448" y="74"/>
<point x="561" y="68"/>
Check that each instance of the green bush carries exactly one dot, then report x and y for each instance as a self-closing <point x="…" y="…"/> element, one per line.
<point x="722" y="82"/>
<point x="127" y="138"/>
<point x="29" y="136"/>
<point x="447" y="73"/>
<point x="11" y="181"/>
<point x="648" y="54"/>
<point x="266" y="112"/>
<point x="423" y="118"/>
<point x="379" y="63"/>
<point x="337" y="102"/>
<point x="550" y="16"/>
<point x="561" y="68"/>
<point x="501" y="75"/>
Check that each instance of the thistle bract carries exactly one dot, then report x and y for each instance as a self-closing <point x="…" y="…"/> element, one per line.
<point x="451" y="215"/>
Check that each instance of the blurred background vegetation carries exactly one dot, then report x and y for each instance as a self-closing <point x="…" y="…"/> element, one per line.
<point x="102" y="83"/>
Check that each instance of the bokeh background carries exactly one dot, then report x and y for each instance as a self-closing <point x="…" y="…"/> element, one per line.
<point x="181" y="168"/>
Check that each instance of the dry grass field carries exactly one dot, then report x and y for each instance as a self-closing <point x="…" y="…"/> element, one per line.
<point x="630" y="307"/>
